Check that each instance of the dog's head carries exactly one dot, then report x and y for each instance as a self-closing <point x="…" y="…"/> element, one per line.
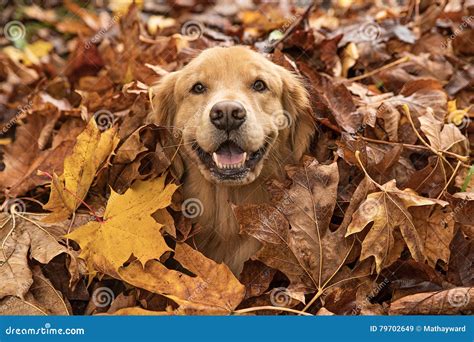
<point x="237" y="114"/>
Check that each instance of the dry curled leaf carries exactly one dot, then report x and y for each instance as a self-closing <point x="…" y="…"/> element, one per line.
<point x="388" y="210"/>
<point x="212" y="290"/>
<point x="454" y="301"/>
<point x="26" y="156"/>
<point x="42" y="299"/>
<point x="15" y="275"/>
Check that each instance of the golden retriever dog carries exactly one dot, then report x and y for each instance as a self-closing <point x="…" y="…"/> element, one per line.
<point x="241" y="118"/>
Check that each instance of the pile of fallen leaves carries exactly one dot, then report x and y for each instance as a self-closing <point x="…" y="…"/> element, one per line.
<point x="377" y="219"/>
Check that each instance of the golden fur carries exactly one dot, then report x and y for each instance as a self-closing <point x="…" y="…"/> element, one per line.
<point x="279" y="122"/>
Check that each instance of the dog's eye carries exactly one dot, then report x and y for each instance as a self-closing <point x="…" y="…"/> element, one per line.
<point x="198" y="88"/>
<point x="259" y="86"/>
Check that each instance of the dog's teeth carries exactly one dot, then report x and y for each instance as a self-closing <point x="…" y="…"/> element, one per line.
<point x="214" y="157"/>
<point x="244" y="157"/>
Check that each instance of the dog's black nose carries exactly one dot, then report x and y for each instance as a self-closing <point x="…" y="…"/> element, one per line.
<point x="228" y="115"/>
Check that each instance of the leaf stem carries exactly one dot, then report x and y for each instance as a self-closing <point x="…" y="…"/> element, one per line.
<point x="450" y="179"/>
<point x="357" y="155"/>
<point x="416" y="147"/>
<point x="91" y="210"/>
<point x="439" y="153"/>
<point x="311" y="302"/>
<point x="376" y="71"/>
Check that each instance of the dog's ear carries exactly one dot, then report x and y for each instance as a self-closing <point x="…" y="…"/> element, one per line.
<point x="163" y="102"/>
<point x="302" y="122"/>
<point x="162" y="114"/>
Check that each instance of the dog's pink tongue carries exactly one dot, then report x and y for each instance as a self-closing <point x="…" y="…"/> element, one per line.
<point x="227" y="157"/>
<point x="229" y="154"/>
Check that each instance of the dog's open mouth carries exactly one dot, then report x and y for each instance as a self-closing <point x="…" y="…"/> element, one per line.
<point x="229" y="160"/>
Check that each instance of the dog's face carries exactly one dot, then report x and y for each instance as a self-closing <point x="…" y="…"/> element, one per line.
<point x="235" y="111"/>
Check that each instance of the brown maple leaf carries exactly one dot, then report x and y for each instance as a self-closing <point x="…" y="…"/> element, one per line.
<point x="388" y="210"/>
<point x="294" y="230"/>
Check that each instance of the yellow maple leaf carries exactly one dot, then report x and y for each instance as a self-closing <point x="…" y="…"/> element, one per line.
<point x="67" y="191"/>
<point x="127" y="227"/>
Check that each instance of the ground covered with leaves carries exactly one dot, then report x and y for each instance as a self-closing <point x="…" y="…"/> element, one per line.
<point x="377" y="219"/>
